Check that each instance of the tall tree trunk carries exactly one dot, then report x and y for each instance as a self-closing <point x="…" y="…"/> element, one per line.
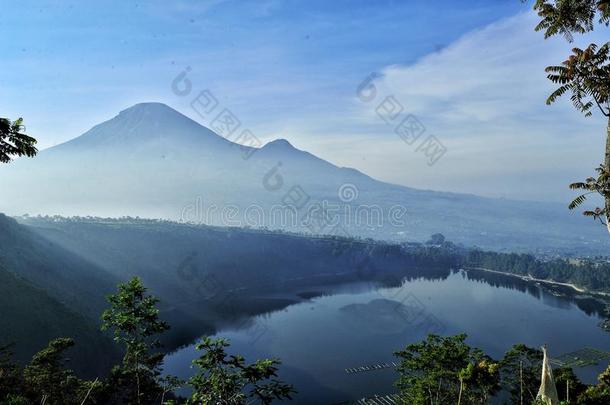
<point x="461" y="389"/>
<point x="521" y="382"/>
<point x="138" y="378"/>
<point x="607" y="167"/>
<point x="438" y="392"/>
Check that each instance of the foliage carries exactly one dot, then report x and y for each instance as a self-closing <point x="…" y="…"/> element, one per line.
<point x="169" y="384"/>
<point x="585" y="74"/>
<point x="441" y="370"/>
<point x="520" y="371"/>
<point x="479" y="380"/>
<point x="436" y="239"/>
<point x="227" y="380"/>
<point x="134" y="318"/>
<point x="592" y="274"/>
<point x="10" y="374"/>
<point x="567" y="17"/>
<point x="46" y="378"/>
<point x="592" y="185"/>
<point x="430" y="370"/>
<point x="598" y="394"/>
<point x="569" y="387"/>
<point x="13" y="142"/>
<point x="445" y="370"/>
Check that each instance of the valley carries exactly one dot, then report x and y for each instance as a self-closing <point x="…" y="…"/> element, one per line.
<point x="213" y="278"/>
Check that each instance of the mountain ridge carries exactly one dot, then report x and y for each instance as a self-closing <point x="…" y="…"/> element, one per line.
<point x="154" y="162"/>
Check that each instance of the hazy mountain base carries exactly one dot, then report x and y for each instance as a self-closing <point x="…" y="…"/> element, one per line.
<point x="154" y="162"/>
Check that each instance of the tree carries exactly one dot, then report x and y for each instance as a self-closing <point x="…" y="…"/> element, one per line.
<point x="169" y="384"/>
<point x="11" y="379"/>
<point x="429" y="371"/>
<point x="227" y="380"/>
<point x="597" y="394"/>
<point x="436" y="239"/>
<point x="586" y="76"/>
<point x="520" y="371"/>
<point x="47" y="380"/>
<point x="13" y="142"/>
<point x="134" y="318"/>
<point x="479" y="380"/>
<point x="569" y="387"/>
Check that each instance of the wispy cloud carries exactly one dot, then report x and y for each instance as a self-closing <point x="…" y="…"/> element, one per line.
<point x="484" y="96"/>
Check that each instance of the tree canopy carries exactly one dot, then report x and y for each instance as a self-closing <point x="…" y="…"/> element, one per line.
<point x="134" y="318"/>
<point x="13" y="142"/>
<point x="585" y="75"/>
<point x="225" y="379"/>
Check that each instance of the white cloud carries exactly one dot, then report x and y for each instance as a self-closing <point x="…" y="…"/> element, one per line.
<point x="484" y="97"/>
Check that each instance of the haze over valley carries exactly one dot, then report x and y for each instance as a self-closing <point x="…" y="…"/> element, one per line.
<point x="153" y="162"/>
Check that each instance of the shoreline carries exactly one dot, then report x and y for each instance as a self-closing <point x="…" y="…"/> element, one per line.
<point x="579" y="290"/>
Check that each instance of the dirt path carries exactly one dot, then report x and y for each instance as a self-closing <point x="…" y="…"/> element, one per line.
<point x="539" y="280"/>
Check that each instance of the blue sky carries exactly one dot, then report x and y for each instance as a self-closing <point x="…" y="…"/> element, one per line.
<point x="471" y="71"/>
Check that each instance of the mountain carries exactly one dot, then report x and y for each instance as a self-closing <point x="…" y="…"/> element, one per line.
<point x="46" y="293"/>
<point x="67" y="277"/>
<point x="151" y="161"/>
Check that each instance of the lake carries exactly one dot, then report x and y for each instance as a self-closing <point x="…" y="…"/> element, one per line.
<point x="363" y="323"/>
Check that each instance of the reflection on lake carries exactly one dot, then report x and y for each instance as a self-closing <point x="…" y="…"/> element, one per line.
<point x="361" y="324"/>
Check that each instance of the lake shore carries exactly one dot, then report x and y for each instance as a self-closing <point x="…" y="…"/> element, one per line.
<point x="576" y="288"/>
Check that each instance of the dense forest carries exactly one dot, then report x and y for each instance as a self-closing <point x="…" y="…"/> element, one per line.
<point x="586" y="273"/>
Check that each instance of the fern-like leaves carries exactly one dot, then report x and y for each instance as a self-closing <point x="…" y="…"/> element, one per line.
<point x="593" y="185"/>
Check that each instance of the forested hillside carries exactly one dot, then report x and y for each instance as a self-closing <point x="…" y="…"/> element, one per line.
<point x="65" y="275"/>
<point x="31" y="318"/>
<point x="590" y="274"/>
<point x="183" y="263"/>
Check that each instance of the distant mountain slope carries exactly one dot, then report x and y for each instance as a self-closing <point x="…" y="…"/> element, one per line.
<point x="152" y="161"/>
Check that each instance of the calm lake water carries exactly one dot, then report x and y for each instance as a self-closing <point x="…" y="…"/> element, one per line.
<point x="361" y="324"/>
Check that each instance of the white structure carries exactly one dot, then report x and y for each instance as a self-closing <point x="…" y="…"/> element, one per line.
<point x="547" y="393"/>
